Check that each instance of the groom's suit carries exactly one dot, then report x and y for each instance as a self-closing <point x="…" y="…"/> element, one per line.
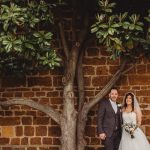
<point x="109" y="123"/>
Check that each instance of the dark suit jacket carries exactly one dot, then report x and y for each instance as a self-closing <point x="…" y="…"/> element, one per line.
<point x="106" y="118"/>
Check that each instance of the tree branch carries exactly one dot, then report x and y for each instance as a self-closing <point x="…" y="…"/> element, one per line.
<point x="43" y="108"/>
<point x="80" y="80"/>
<point x="108" y="86"/>
<point x="64" y="42"/>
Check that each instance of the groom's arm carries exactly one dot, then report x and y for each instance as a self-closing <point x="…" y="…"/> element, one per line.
<point x="101" y="113"/>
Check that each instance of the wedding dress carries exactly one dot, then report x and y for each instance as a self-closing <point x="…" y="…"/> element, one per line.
<point x="139" y="142"/>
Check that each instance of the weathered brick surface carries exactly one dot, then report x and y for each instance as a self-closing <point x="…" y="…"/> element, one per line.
<point x="29" y="129"/>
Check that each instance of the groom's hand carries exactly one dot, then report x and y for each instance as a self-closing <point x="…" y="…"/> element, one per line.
<point x="102" y="136"/>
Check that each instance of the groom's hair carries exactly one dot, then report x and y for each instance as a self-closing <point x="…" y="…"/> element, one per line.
<point x="113" y="88"/>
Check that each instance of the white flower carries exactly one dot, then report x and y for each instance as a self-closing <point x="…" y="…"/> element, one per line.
<point x="119" y="105"/>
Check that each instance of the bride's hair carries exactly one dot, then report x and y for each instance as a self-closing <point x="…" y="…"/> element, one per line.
<point x="132" y="97"/>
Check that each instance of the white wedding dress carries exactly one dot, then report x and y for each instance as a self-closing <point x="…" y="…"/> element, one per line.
<point x="139" y="142"/>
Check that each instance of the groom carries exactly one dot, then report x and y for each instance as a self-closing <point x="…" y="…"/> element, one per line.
<point x="109" y="121"/>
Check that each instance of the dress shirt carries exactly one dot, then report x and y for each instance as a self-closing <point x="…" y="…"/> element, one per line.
<point x="114" y="105"/>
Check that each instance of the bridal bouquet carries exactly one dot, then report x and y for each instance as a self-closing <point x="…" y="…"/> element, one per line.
<point x="130" y="128"/>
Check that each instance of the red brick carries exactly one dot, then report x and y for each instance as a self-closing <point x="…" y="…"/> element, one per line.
<point x="146" y="121"/>
<point x="143" y="93"/>
<point x="94" y="61"/>
<point x="88" y="70"/>
<point x="50" y="148"/>
<point x="57" y="71"/>
<point x="113" y="62"/>
<point x="8" y="113"/>
<point x="28" y="131"/>
<point x="24" y="141"/>
<point x="123" y="81"/>
<point x="87" y="81"/>
<point x="19" y="113"/>
<point x="2" y="89"/>
<point x="40" y="94"/>
<point x="145" y="100"/>
<point x="8" y="121"/>
<point x="26" y="120"/>
<point x="139" y="80"/>
<point x="132" y="70"/>
<point x="141" y="69"/>
<point x="146" y="112"/>
<point x="148" y="131"/>
<point x="31" y="113"/>
<point x="56" y="141"/>
<point x="18" y="94"/>
<point x="47" y="141"/>
<point x="53" y="94"/>
<point x="104" y="52"/>
<point x="39" y="81"/>
<point x="94" y="141"/>
<point x="89" y="93"/>
<point x="113" y="69"/>
<point x="7" y="148"/>
<point x="41" y="121"/>
<point x="31" y="148"/>
<point x="57" y="81"/>
<point x="4" y="141"/>
<point x="28" y="94"/>
<point x="90" y="131"/>
<point x="56" y="100"/>
<point x="19" y="149"/>
<point x="89" y="148"/>
<point x="46" y="89"/>
<point x="100" y="80"/>
<point x="103" y="70"/>
<point x="15" y="141"/>
<point x="41" y="131"/>
<point x="53" y="123"/>
<point x="7" y="94"/>
<point x="35" y="89"/>
<point x="54" y="131"/>
<point x="13" y="82"/>
<point x="148" y="68"/>
<point x="35" y="141"/>
<point x="19" y="131"/>
<point x="44" y="72"/>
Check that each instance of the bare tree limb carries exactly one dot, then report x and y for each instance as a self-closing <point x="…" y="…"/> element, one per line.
<point x="43" y="108"/>
<point x="64" y="42"/>
<point x="80" y="80"/>
<point x="108" y="86"/>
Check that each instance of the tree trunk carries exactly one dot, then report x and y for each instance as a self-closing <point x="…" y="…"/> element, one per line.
<point x="82" y="116"/>
<point x="69" y="120"/>
<point x="68" y="128"/>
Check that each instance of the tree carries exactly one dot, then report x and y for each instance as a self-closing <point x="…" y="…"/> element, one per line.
<point x="23" y="40"/>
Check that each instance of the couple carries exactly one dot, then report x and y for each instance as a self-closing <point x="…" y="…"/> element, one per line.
<point x="118" y="128"/>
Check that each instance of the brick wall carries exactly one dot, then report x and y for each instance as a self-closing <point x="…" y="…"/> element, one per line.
<point x="23" y="128"/>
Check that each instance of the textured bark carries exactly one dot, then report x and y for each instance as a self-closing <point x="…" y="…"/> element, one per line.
<point x="82" y="116"/>
<point x="43" y="108"/>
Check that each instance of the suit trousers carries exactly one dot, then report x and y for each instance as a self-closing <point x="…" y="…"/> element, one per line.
<point x="112" y="143"/>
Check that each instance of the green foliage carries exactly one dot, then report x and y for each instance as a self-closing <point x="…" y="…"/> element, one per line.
<point x="120" y="33"/>
<point x="26" y="36"/>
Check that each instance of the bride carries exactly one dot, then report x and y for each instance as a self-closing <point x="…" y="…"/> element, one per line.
<point x="132" y="136"/>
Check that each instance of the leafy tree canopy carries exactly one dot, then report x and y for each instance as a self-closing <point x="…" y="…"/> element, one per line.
<point x="26" y="35"/>
<point x="123" y="33"/>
